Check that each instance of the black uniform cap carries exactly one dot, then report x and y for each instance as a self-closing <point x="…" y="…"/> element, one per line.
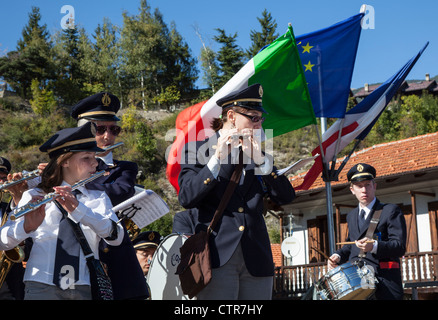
<point x="360" y="172"/>
<point x="5" y="165"/>
<point x="72" y="140"/>
<point x="147" y="239"/>
<point x="101" y="106"/>
<point x="249" y="98"/>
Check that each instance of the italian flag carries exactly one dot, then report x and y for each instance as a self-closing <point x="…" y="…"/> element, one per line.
<point x="286" y="98"/>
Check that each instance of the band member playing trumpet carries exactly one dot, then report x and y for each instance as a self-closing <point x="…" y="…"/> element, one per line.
<point x="12" y="287"/>
<point x="242" y="264"/>
<point x="57" y="268"/>
<point x="123" y="267"/>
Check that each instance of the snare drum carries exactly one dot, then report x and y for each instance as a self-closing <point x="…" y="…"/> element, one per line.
<point x="347" y="282"/>
<point x="161" y="277"/>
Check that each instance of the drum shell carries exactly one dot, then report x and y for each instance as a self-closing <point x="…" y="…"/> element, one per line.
<point x="346" y="282"/>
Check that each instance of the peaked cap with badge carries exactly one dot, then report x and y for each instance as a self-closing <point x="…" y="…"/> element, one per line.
<point x="102" y="106"/>
<point x="361" y="172"/>
<point x="249" y="98"/>
<point x="72" y="140"/>
<point x="147" y="239"/>
<point x="5" y="165"/>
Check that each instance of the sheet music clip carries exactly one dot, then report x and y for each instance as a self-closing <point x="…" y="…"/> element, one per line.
<point x="127" y="213"/>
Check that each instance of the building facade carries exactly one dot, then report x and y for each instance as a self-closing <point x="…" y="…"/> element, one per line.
<point x="407" y="175"/>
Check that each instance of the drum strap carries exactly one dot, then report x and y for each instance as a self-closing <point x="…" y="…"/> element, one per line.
<point x="372" y="227"/>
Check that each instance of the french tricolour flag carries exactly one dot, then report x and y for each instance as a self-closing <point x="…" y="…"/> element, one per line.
<point x="357" y="122"/>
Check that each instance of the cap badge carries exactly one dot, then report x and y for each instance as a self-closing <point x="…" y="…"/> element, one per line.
<point x="106" y="100"/>
<point x="261" y="91"/>
<point x="359" y="168"/>
<point x="151" y="236"/>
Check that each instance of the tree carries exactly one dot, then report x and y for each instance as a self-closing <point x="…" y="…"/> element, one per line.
<point x="209" y="64"/>
<point x="33" y="29"/>
<point x="265" y="37"/>
<point x="180" y="65"/>
<point x="68" y="57"/>
<point x="31" y="60"/>
<point x="168" y="97"/>
<point x="230" y="56"/>
<point x="406" y="117"/>
<point x="140" y="41"/>
<point x="155" y="57"/>
<point x="106" y="53"/>
<point x="43" y="101"/>
<point x="211" y="68"/>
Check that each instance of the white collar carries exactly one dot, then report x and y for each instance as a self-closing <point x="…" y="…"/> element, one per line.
<point x="368" y="208"/>
<point x="108" y="159"/>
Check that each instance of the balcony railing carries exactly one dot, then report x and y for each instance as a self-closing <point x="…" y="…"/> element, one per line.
<point x="419" y="269"/>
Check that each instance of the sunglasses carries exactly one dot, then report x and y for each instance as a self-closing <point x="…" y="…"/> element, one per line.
<point x="114" y="130"/>
<point x="254" y="119"/>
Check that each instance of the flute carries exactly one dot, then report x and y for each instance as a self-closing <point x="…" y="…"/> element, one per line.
<point x="21" y="211"/>
<point x="26" y="176"/>
<point x="118" y="144"/>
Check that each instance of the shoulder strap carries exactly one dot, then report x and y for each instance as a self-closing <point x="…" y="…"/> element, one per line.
<point x="371" y="228"/>
<point x="88" y="253"/>
<point x="373" y="224"/>
<point x="234" y="181"/>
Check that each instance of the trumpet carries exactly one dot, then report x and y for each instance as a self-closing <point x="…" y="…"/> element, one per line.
<point x="9" y="257"/>
<point x="26" y="176"/>
<point x="21" y="211"/>
<point x="116" y="145"/>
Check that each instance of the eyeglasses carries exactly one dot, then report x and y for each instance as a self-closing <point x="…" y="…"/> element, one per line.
<point x="114" y="130"/>
<point x="254" y="119"/>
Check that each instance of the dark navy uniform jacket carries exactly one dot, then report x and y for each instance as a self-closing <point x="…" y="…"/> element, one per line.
<point x="184" y="222"/>
<point x="124" y="269"/>
<point x="391" y="236"/>
<point x="242" y="221"/>
<point x="14" y="278"/>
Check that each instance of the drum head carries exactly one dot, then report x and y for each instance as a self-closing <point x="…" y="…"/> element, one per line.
<point x="161" y="278"/>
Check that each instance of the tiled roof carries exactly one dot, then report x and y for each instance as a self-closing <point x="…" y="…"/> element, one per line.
<point x="276" y="254"/>
<point x="397" y="157"/>
<point x="406" y="87"/>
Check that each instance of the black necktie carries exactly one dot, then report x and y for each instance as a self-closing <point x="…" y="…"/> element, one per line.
<point x="361" y="219"/>
<point x="66" y="269"/>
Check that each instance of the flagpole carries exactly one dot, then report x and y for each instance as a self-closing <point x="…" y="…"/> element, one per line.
<point x="328" y="191"/>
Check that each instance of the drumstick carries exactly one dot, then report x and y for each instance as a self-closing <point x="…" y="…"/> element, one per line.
<point x="325" y="256"/>
<point x="353" y="242"/>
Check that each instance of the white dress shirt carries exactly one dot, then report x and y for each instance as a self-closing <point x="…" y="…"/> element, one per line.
<point x="94" y="214"/>
<point x="108" y="159"/>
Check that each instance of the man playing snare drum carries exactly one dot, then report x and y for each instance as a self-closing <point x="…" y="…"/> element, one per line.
<point x="384" y="248"/>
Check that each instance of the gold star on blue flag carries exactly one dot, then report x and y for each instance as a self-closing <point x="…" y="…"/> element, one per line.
<point x="328" y="56"/>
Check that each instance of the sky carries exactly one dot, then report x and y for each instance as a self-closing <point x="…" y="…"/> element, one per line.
<point x="401" y="28"/>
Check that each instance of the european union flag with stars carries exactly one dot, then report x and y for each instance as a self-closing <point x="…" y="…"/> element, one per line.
<point x="328" y="57"/>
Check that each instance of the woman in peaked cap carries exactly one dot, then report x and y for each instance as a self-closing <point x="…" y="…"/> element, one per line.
<point x="241" y="257"/>
<point x="56" y="268"/>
